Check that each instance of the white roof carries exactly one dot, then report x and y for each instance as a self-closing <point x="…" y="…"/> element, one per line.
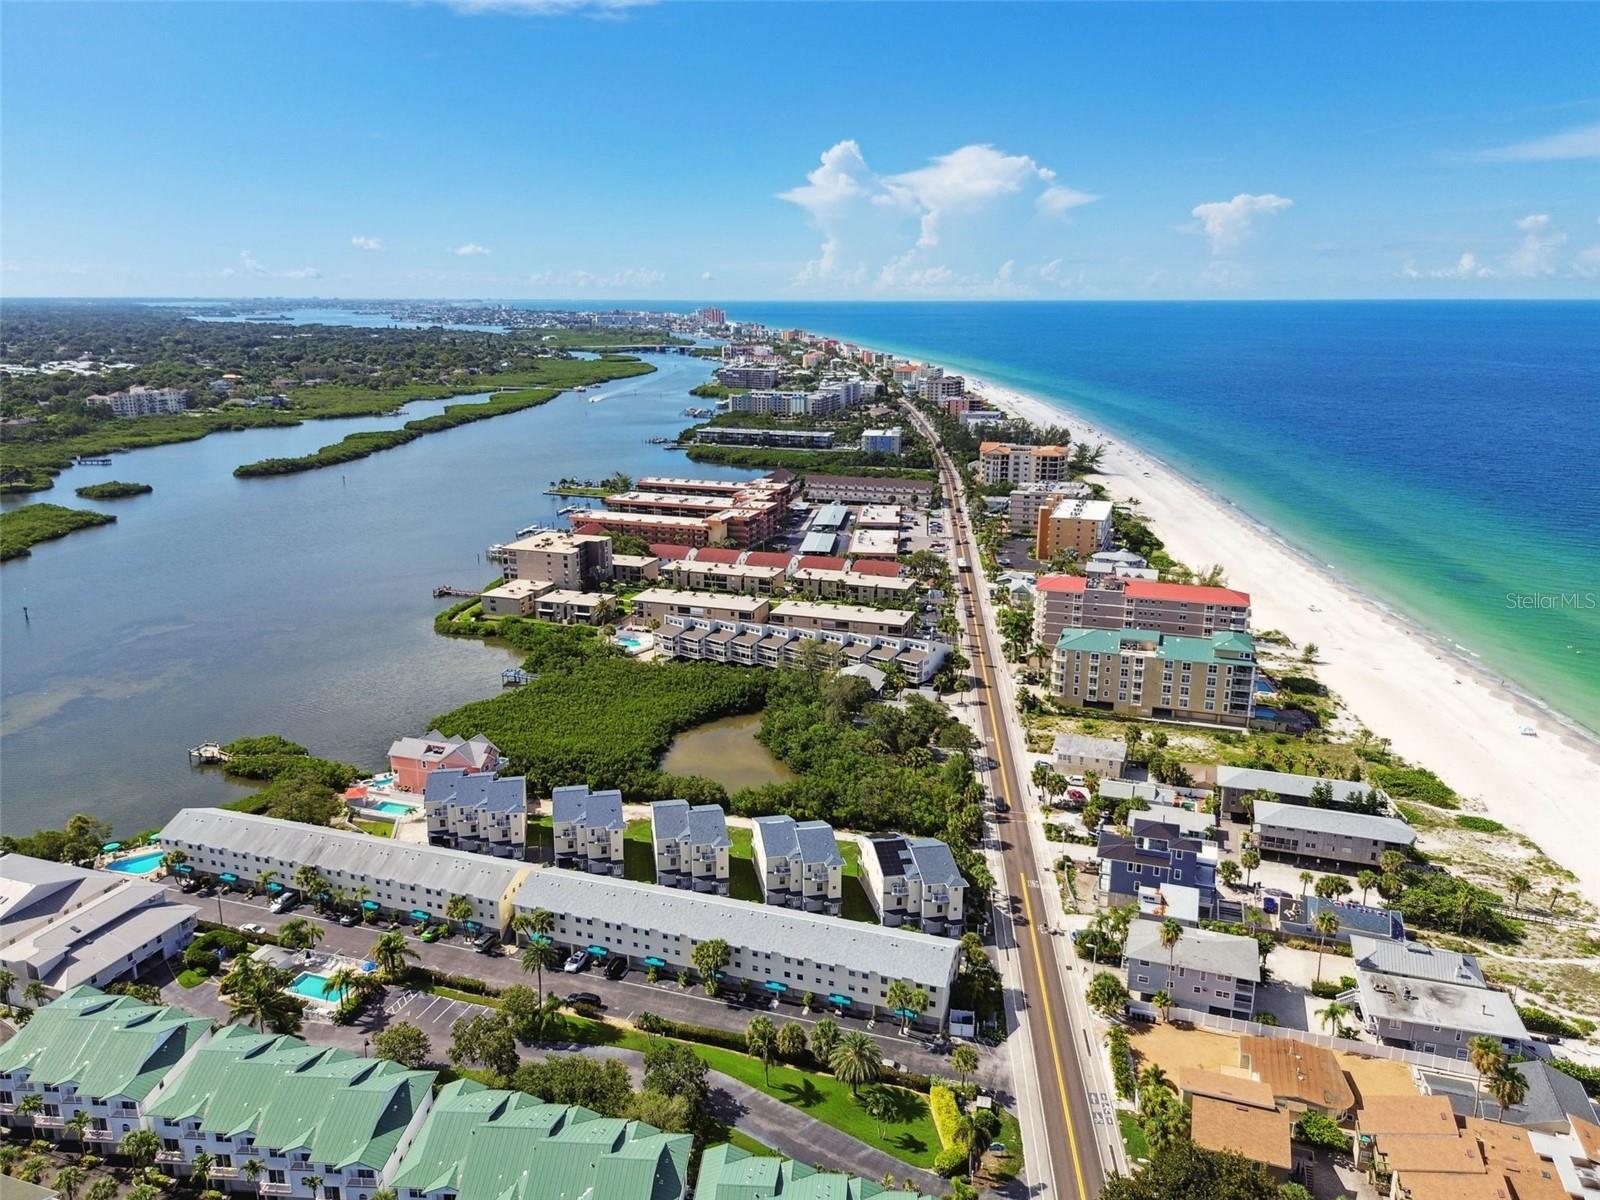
<point x="852" y="945"/>
<point x="1286" y="784"/>
<point x="1389" y="830"/>
<point x="1114" y="749"/>
<point x="1198" y="950"/>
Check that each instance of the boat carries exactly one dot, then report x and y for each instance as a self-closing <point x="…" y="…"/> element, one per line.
<point x="1528" y="731"/>
<point x="659" y="441"/>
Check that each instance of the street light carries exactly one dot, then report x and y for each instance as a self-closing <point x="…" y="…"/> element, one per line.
<point x="364" y="1043"/>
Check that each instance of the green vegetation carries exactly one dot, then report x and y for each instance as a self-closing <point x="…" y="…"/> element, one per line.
<point x="1479" y="824"/>
<point x="1415" y="783"/>
<point x="1450" y="904"/>
<point x="845" y="462"/>
<point x="114" y="489"/>
<point x="1588" y="1076"/>
<point x="1540" y="1021"/>
<point x="300" y="787"/>
<point x="1133" y="1138"/>
<point x="23" y="528"/>
<point x="1184" y="1171"/>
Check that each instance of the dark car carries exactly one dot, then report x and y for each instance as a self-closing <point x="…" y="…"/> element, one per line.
<point x="586" y="999"/>
<point x="486" y="943"/>
<point x="617" y="967"/>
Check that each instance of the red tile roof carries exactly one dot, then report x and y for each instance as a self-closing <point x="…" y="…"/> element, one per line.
<point x="667" y="552"/>
<point x="863" y="566"/>
<point x="767" y="558"/>
<point x="1193" y="593"/>
<point x="715" y="554"/>
<point x="1062" y="583"/>
<point x="821" y="562"/>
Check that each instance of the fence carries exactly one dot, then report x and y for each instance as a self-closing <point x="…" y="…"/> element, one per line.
<point x="1417" y="1058"/>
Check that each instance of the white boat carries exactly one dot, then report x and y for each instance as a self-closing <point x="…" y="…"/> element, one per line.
<point x="1528" y="731"/>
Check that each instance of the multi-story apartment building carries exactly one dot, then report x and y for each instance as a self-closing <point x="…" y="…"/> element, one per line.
<point x="412" y="758"/>
<point x="483" y="1144"/>
<point x="1124" y="564"/>
<point x="567" y="560"/>
<point x="831" y="397"/>
<point x="1025" y="502"/>
<point x="588" y="828"/>
<point x="729" y="1173"/>
<point x="691" y="845"/>
<point x="1330" y="835"/>
<point x="635" y="568"/>
<point x="1153" y="856"/>
<point x="1430" y="999"/>
<point x="736" y="435"/>
<point x="1077" y="527"/>
<point x="855" y="489"/>
<point x="744" y="525"/>
<point x="1108" y="602"/>
<point x="883" y="441"/>
<point x="1144" y="673"/>
<point x="937" y="389"/>
<point x="914" y="881"/>
<point x="857" y="587"/>
<point x="734" y="491"/>
<point x="1234" y="784"/>
<point x="747" y="375"/>
<point x="811" y="359"/>
<point x="692" y="574"/>
<point x="63" y="925"/>
<point x="1203" y="970"/>
<point x="1008" y="462"/>
<point x="89" y="1052"/>
<point x="798" y="863"/>
<point x="843" y="618"/>
<point x="546" y="602"/>
<point x="473" y="810"/>
<point x="787" y="952"/>
<point x="143" y="401"/>
<point x="319" y="1121"/>
<point x="768" y="645"/>
<point x="236" y="849"/>
<point x="658" y="604"/>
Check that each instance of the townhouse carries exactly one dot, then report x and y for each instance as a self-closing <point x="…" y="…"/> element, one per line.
<point x="319" y="1121"/>
<point x="729" y="1173"/>
<point x="482" y="1143"/>
<point x="412" y="758"/>
<point x="1007" y="462"/>
<point x="1145" y="673"/>
<point x="789" y="953"/>
<point x="1430" y="999"/>
<point x="102" y="1055"/>
<point x="698" y="575"/>
<point x="707" y="638"/>
<point x="1328" y="835"/>
<point x="843" y="618"/>
<point x="1234" y="784"/>
<point x="1075" y="527"/>
<point x="798" y="863"/>
<point x="1109" y="602"/>
<point x="476" y="811"/>
<point x="384" y="875"/>
<point x="657" y="604"/>
<point x="883" y="441"/>
<point x="1203" y="970"/>
<point x="587" y="828"/>
<point x="1158" y="867"/>
<point x="691" y="845"/>
<point x="64" y="925"/>
<point x="914" y="881"/>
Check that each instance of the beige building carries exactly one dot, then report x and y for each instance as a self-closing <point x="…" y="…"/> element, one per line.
<point x="1081" y="527"/>
<point x="875" y="543"/>
<point x="514" y="598"/>
<point x="566" y="607"/>
<point x="723" y="577"/>
<point x="853" y="586"/>
<point x="568" y="560"/>
<point x="1143" y="673"/>
<point x="1025" y="502"/>
<point x="1007" y="462"/>
<point x="635" y="568"/>
<point x="587" y="828"/>
<point x="691" y="845"/>
<point x="798" y="863"/>
<point x="843" y="618"/>
<point x="659" y="603"/>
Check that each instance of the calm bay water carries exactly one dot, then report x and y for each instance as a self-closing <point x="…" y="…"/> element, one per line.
<point x="1440" y="455"/>
<point x="299" y="604"/>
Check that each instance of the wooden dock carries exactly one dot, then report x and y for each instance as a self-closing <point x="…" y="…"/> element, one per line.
<point x="208" y="754"/>
<point x="445" y="589"/>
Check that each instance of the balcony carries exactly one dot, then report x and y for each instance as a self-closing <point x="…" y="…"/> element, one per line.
<point x="169" y="1156"/>
<point x="267" y="1188"/>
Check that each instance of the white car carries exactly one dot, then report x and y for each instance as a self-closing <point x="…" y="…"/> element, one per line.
<point x="576" y="962"/>
<point x="252" y="927"/>
<point x="1077" y="781"/>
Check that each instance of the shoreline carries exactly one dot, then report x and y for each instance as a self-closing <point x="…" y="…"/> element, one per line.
<point x="1453" y="715"/>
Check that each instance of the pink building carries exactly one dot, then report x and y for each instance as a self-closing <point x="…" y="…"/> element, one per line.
<point x="411" y="758"/>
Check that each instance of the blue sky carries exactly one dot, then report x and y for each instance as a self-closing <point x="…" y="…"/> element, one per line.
<point x="728" y="151"/>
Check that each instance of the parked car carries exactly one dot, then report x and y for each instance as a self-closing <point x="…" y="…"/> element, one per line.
<point x="576" y="998"/>
<point x="286" y="902"/>
<point x="252" y="927"/>
<point x="576" y="961"/>
<point x="188" y="885"/>
<point x="617" y="967"/>
<point x="1269" y="904"/>
<point x="486" y="943"/>
<point x="430" y="933"/>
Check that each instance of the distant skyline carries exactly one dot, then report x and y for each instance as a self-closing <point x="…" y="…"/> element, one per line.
<point x="596" y="149"/>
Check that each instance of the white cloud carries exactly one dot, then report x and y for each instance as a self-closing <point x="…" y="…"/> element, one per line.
<point x="1566" y="146"/>
<point x="1535" y="255"/>
<point x="951" y="226"/>
<point x="471" y="250"/>
<point x="1586" y="263"/>
<point x="366" y="243"/>
<point x="629" y="277"/>
<point x="1465" y="267"/>
<point x="706" y="276"/>
<point x="1227" y="222"/>
<point x="249" y="264"/>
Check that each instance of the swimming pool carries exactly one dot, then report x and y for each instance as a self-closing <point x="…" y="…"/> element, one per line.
<point x="314" y="987"/>
<point x="393" y="808"/>
<point x="136" y="864"/>
<point x="382" y="781"/>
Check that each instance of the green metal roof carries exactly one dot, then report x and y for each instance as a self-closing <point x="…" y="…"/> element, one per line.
<point x="729" y="1173"/>
<point x="343" y="1109"/>
<point x="486" y="1144"/>
<point x="1218" y="648"/>
<point x="106" y="1045"/>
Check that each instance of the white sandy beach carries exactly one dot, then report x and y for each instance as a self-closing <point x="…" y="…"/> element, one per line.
<point x="1438" y="709"/>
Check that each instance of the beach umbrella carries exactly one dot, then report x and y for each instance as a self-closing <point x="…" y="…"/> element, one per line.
<point x="111" y="847"/>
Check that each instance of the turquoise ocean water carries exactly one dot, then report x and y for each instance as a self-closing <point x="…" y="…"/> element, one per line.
<point x="1442" y="456"/>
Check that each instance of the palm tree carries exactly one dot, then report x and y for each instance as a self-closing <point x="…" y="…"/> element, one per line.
<point x="907" y="1001"/>
<point x="762" y="1040"/>
<point x="1171" y="935"/>
<point x="385" y="1194"/>
<point x="824" y="1037"/>
<point x="314" y="1184"/>
<point x="1163" y="1002"/>
<point x="1250" y="859"/>
<point x="140" y="1147"/>
<point x="539" y="953"/>
<point x="1334" y="1015"/>
<point x="69" y="1181"/>
<point x="390" y="952"/>
<point x="345" y="983"/>
<point x="251" y="1170"/>
<point x="879" y="1105"/>
<point x="30" y="1105"/>
<point x="792" y="1040"/>
<point x="36" y="993"/>
<point x="200" y="1171"/>
<point x="1486" y="1055"/>
<point x="1153" y="1079"/>
<point x="297" y="933"/>
<point x="1305" y="882"/>
<point x="1326" y="924"/>
<point x="856" y="1059"/>
<point x="967" y="1132"/>
<point x="458" y="909"/>
<point x="7" y="982"/>
<point x="1366" y="881"/>
<point x="1518" y="884"/>
<point x="9" y="1157"/>
<point x="78" y="1124"/>
<point x="359" y="896"/>
<point x="1230" y="871"/>
<point x="963" y="1061"/>
<point x="1508" y="1086"/>
<point x="263" y="880"/>
<point x="1557" y="895"/>
<point x="104" y="1188"/>
<point x="309" y="881"/>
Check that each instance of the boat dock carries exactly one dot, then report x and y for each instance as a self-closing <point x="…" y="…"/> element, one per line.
<point x="513" y="677"/>
<point x="208" y="754"/>
<point x="445" y="589"/>
<point x="83" y="461"/>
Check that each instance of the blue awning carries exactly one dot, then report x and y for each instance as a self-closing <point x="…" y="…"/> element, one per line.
<point x="184" y="869"/>
<point x="841" y="1001"/>
<point x="418" y="915"/>
<point x="541" y="939"/>
<point x="228" y="877"/>
<point x="599" y="951"/>
<point x="906" y="1014"/>
<point x="471" y="925"/>
<point x="370" y="905"/>
<point x="773" y="985"/>
<point x="274" y="886"/>
<point x="655" y="962"/>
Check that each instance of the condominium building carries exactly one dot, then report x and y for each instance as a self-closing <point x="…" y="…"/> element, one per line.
<point x="880" y="544"/>
<point x="742" y="525"/>
<point x="914" y="881"/>
<point x="734" y="491"/>
<point x="659" y="603"/>
<point x="236" y="849"/>
<point x="477" y="811"/>
<point x="843" y="618"/>
<point x="855" y="489"/>
<point x="798" y="863"/>
<point x="695" y="575"/>
<point x="1431" y="999"/>
<point x="1144" y="673"/>
<point x="691" y="845"/>
<point x="854" y="586"/>
<point x="738" y="435"/>
<point x="143" y="401"/>
<point x="883" y="441"/>
<point x="514" y="598"/>
<point x="1008" y="462"/>
<point x="785" y="952"/>
<point x="936" y="389"/>
<point x="747" y="375"/>
<point x="831" y="397"/>
<point x="635" y="568"/>
<point x="1234" y="784"/>
<point x="587" y="828"/>
<point x="567" y="560"/>
<point x="729" y="1173"/>
<point x="89" y="1052"/>
<point x="319" y="1121"/>
<point x="1330" y="835"/>
<point x="63" y="925"/>
<point x="412" y="758"/>
<point x="1076" y="527"/>
<point x="482" y="1143"/>
<point x="1026" y="501"/>
<point x="1110" y="602"/>
<point x="1203" y="970"/>
<point x="769" y="645"/>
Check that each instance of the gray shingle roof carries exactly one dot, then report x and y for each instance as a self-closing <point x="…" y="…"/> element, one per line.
<point x="476" y="789"/>
<point x="853" y="945"/>
<point x="1334" y="820"/>
<point x="1552" y="1097"/>
<point x="1197" y="950"/>
<point x="601" y="810"/>
<point x="934" y="862"/>
<point x="702" y="825"/>
<point x="809" y="841"/>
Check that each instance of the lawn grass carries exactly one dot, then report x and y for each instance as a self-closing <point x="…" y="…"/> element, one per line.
<point x="1133" y="1137"/>
<point x="853" y="891"/>
<point x="1003" y="1168"/>
<point x="189" y="978"/>
<point x="383" y="829"/>
<point x="749" y="1145"/>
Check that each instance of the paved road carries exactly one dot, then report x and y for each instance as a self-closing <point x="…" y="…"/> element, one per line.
<point x="1074" y="1167"/>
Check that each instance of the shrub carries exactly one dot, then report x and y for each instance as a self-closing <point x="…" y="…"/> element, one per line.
<point x="1588" y="1076"/>
<point x="949" y="1162"/>
<point x="1415" y="783"/>
<point x="1121" y="1062"/>
<point x="1324" y="1133"/>
<point x="1479" y="824"/>
<point x="942" y="1103"/>
<point x="1325" y="989"/>
<point x="1540" y="1021"/>
<point x="198" y="958"/>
